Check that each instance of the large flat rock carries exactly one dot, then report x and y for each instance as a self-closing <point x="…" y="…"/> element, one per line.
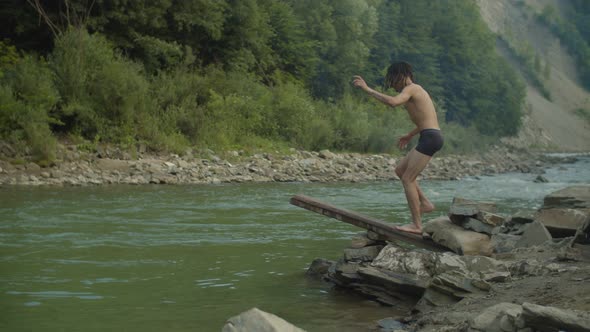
<point x="404" y="283"/>
<point x="458" y="239"/>
<point x="462" y="208"/>
<point x="562" y="222"/>
<point x="574" y="197"/>
<point x="554" y="319"/>
<point x="491" y="318"/>
<point x="441" y="278"/>
<point x="534" y="234"/>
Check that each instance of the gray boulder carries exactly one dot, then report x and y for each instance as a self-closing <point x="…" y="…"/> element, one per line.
<point x="477" y="226"/>
<point x="319" y="267"/>
<point x="503" y="243"/>
<point x="574" y="197"/>
<point x="459" y="240"/>
<point x="413" y="262"/>
<point x="259" y="321"/>
<point x="553" y="319"/>
<point x="523" y="217"/>
<point x="361" y="240"/>
<point x="441" y="278"/>
<point x="462" y="208"/>
<point x="394" y="282"/>
<point x="490" y="218"/>
<point x="534" y="234"/>
<point x="583" y="233"/>
<point x="326" y="154"/>
<point x="541" y="179"/>
<point x="563" y="222"/>
<point x="502" y="317"/>
<point x="376" y="236"/>
<point x="390" y="325"/>
<point x="344" y="273"/>
<point x="365" y="254"/>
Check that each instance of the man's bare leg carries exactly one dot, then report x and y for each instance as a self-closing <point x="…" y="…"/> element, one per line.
<point x="416" y="162"/>
<point x="425" y="205"/>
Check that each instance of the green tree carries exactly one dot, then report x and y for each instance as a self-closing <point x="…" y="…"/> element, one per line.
<point x="343" y="31"/>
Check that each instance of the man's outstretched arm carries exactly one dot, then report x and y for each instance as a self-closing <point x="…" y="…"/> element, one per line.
<point x="392" y="101"/>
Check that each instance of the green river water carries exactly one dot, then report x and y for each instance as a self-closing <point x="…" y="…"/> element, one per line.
<point x="187" y="257"/>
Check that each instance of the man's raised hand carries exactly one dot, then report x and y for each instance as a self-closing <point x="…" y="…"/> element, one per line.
<point x="359" y="82"/>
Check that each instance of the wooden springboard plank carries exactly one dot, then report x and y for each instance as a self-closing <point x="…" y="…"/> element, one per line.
<point x="360" y="220"/>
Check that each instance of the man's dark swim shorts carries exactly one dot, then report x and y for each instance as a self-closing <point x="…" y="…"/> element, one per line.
<point x="430" y="141"/>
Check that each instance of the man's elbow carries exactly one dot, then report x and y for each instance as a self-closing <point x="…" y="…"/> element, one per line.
<point x="392" y="103"/>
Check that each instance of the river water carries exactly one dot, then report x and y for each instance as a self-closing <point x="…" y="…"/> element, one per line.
<point x="186" y="258"/>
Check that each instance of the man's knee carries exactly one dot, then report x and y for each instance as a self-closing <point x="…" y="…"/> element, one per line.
<point x="399" y="171"/>
<point x="407" y="178"/>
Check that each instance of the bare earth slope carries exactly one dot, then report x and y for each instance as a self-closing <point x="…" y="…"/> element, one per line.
<point x="548" y="124"/>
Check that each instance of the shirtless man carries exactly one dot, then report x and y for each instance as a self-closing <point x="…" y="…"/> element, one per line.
<point x="422" y="113"/>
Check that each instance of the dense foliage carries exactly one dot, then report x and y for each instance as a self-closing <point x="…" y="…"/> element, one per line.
<point x="245" y="73"/>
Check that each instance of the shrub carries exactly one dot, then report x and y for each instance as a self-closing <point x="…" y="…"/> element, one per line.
<point x="102" y="93"/>
<point x="464" y="140"/>
<point x="27" y="96"/>
<point x="294" y="114"/>
<point x="8" y="55"/>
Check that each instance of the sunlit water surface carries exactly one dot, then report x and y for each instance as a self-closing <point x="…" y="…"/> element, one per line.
<point x="186" y="258"/>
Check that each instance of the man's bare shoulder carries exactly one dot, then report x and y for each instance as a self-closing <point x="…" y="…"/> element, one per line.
<point x="415" y="87"/>
<point x="412" y="88"/>
<point x="415" y="90"/>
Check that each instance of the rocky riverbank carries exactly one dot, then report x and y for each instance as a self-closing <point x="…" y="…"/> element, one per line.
<point x="525" y="272"/>
<point x="112" y="166"/>
<point x="535" y="281"/>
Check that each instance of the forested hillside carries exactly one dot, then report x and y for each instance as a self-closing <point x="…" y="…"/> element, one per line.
<point x="547" y="43"/>
<point x="244" y="73"/>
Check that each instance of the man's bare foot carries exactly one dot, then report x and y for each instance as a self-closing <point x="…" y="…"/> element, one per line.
<point x="426" y="207"/>
<point x="411" y="228"/>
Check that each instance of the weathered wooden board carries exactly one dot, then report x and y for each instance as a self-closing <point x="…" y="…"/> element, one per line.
<point x="378" y="226"/>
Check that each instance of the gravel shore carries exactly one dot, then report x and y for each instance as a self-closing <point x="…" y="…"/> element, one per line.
<point x="111" y="166"/>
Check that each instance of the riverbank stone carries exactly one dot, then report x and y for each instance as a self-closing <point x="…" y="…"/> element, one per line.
<point x="462" y="208"/>
<point x="544" y="318"/>
<point x="541" y="179"/>
<point x="489" y="218"/>
<point x="523" y="217"/>
<point x="390" y="325"/>
<point x="583" y="233"/>
<point x="534" y="234"/>
<point x="477" y="226"/>
<point x="563" y="222"/>
<point x="502" y="317"/>
<point x="297" y="166"/>
<point x="319" y="267"/>
<point x="504" y="243"/>
<point x="440" y="278"/>
<point x="260" y="321"/>
<point x="573" y="197"/>
<point x="365" y="254"/>
<point x="361" y="240"/>
<point x="458" y="239"/>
